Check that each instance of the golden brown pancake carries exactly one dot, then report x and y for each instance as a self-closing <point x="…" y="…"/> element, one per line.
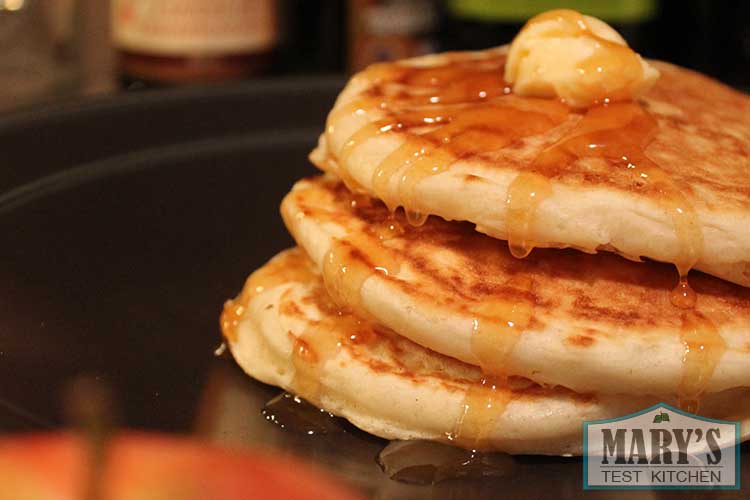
<point x="666" y="178"/>
<point x="592" y="323"/>
<point x="285" y="330"/>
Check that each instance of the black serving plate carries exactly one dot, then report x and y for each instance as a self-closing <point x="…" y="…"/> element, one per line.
<point x="125" y="223"/>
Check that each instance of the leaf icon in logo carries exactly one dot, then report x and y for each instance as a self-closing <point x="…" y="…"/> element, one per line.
<point x="661" y="417"/>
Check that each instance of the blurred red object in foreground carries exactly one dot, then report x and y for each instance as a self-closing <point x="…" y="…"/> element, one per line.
<point x="136" y="466"/>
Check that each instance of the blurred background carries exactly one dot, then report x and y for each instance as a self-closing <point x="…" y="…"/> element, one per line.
<point x="54" y="49"/>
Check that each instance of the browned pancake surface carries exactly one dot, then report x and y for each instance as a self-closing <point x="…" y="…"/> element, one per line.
<point x="459" y="267"/>
<point x="702" y="141"/>
<point x="445" y="135"/>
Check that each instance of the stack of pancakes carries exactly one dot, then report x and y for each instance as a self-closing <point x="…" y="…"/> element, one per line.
<point x="415" y="307"/>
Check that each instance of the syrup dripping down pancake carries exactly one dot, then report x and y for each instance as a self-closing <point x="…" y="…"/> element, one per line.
<point x="666" y="178"/>
<point x="592" y="323"/>
<point x="289" y="333"/>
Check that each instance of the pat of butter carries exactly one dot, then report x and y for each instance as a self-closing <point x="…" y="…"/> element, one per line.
<point x="577" y="58"/>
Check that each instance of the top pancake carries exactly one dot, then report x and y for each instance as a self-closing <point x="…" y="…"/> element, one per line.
<point x="669" y="178"/>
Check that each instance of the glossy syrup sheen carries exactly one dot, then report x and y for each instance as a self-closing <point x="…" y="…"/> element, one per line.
<point x="481" y="408"/>
<point x="317" y="346"/>
<point x="703" y="349"/>
<point x="314" y="347"/>
<point x="449" y="113"/>
<point x="461" y="111"/>
<point x="619" y="133"/>
<point x="321" y="342"/>
<point x="290" y="266"/>
<point x="346" y="267"/>
<point x="343" y="321"/>
<point x="465" y="109"/>
<point x="497" y="325"/>
<point x="349" y="263"/>
<point x="497" y="328"/>
<point x="428" y="462"/>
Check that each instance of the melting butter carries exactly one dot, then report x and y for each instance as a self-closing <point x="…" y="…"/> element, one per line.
<point x="580" y="59"/>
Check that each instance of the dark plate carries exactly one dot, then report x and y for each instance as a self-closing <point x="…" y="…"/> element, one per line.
<point x="126" y="222"/>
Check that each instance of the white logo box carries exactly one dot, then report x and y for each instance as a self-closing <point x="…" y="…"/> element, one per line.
<point x="661" y="447"/>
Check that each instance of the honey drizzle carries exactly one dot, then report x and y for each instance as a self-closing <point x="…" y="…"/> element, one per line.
<point x="311" y="351"/>
<point x="453" y="132"/>
<point x="348" y="264"/>
<point x="320" y="343"/>
<point x="359" y="106"/>
<point x="483" y="405"/>
<point x="527" y="191"/>
<point x="704" y="348"/>
<point x="617" y="132"/>
<point x="620" y="133"/>
<point x="683" y="295"/>
<point x="478" y="82"/>
<point x="497" y="328"/>
<point x="346" y="267"/>
<point x="457" y="110"/>
<point x="498" y="325"/>
<point x="364" y="133"/>
<point x="403" y="160"/>
<point x="291" y="265"/>
<point x="389" y="228"/>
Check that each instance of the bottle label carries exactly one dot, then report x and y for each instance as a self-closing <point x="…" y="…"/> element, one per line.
<point x="194" y="27"/>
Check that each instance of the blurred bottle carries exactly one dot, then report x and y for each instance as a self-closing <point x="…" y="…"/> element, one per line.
<point x="31" y="66"/>
<point x="172" y="42"/>
<point x="63" y="22"/>
<point x="382" y="30"/>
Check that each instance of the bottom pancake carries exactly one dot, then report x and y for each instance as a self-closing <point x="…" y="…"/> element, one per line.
<point x="284" y="330"/>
